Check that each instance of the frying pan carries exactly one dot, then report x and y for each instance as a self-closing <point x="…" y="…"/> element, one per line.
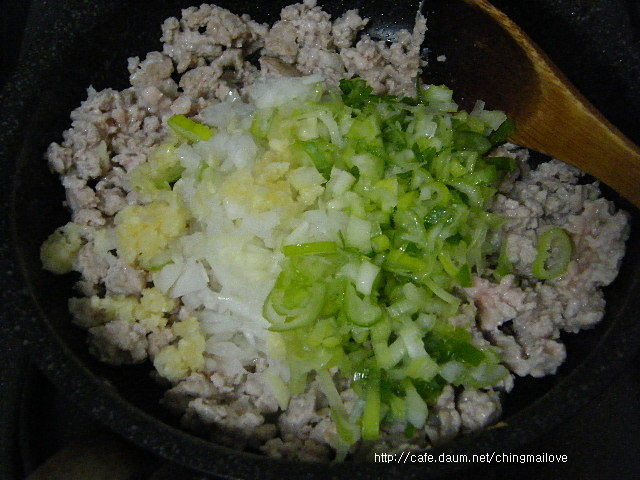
<point x="70" y="45"/>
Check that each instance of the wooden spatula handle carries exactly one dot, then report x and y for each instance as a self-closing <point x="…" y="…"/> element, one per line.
<point x="575" y="132"/>
<point x="560" y="121"/>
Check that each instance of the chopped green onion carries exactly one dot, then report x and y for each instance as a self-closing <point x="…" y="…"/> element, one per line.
<point x="311" y="248"/>
<point x="358" y="234"/>
<point x="310" y="305"/>
<point x="452" y="371"/>
<point x="277" y="386"/>
<point x="422" y="368"/>
<point x="367" y="274"/>
<point x="504" y="266"/>
<point x="329" y="389"/>
<point x="187" y="128"/>
<point x="417" y="409"/>
<point x="466" y="140"/>
<point x="503" y="132"/>
<point x="447" y="343"/>
<point x="554" y="254"/>
<point x="370" y="420"/>
<point x="398" y="408"/>
<point x="409" y="431"/>
<point x="321" y="154"/>
<point x="464" y="276"/>
<point x="429" y="390"/>
<point x="410" y="336"/>
<point x="389" y="356"/>
<point x="360" y="312"/>
<point x="380" y="243"/>
<point x="505" y="164"/>
<point x="348" y="432"/>
<point x="486" y="375"/>
<point x="441" y="292"/>
<point x="407" y="182"/>
<point x="355" y="92"/>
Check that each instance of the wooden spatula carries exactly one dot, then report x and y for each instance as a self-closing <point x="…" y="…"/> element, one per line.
<point x="490" y="58"/>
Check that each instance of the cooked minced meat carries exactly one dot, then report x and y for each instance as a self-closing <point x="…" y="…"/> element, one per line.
<point x="208" y="49"/>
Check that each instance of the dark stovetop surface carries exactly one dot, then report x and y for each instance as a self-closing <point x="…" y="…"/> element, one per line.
<point x="601" y="441"/>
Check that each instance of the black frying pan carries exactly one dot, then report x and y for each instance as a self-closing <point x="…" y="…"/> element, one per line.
<point x="71" y="45"/>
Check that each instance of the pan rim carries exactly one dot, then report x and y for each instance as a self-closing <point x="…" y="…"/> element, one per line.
<point x="77" y="375"/>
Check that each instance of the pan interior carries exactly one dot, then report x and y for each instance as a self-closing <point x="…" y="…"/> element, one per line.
<point x="97" y="57"/>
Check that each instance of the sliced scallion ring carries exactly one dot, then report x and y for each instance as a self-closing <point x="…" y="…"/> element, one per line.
<point x="553" y="256"/>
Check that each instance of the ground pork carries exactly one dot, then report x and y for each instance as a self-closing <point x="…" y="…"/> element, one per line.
<point x="477" y="408"/>
<point x="210" y="54"/>
<point x="306" y="39"/>
<point x="444" y="423"/>
<point x="547" y="197"/>
<point x="387" y="67"/>
<point x="236" y="405"/>
<point x="119" y="342"/>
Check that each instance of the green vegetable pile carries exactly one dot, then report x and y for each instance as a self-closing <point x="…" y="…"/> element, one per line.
<point x="416" y="180"/>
